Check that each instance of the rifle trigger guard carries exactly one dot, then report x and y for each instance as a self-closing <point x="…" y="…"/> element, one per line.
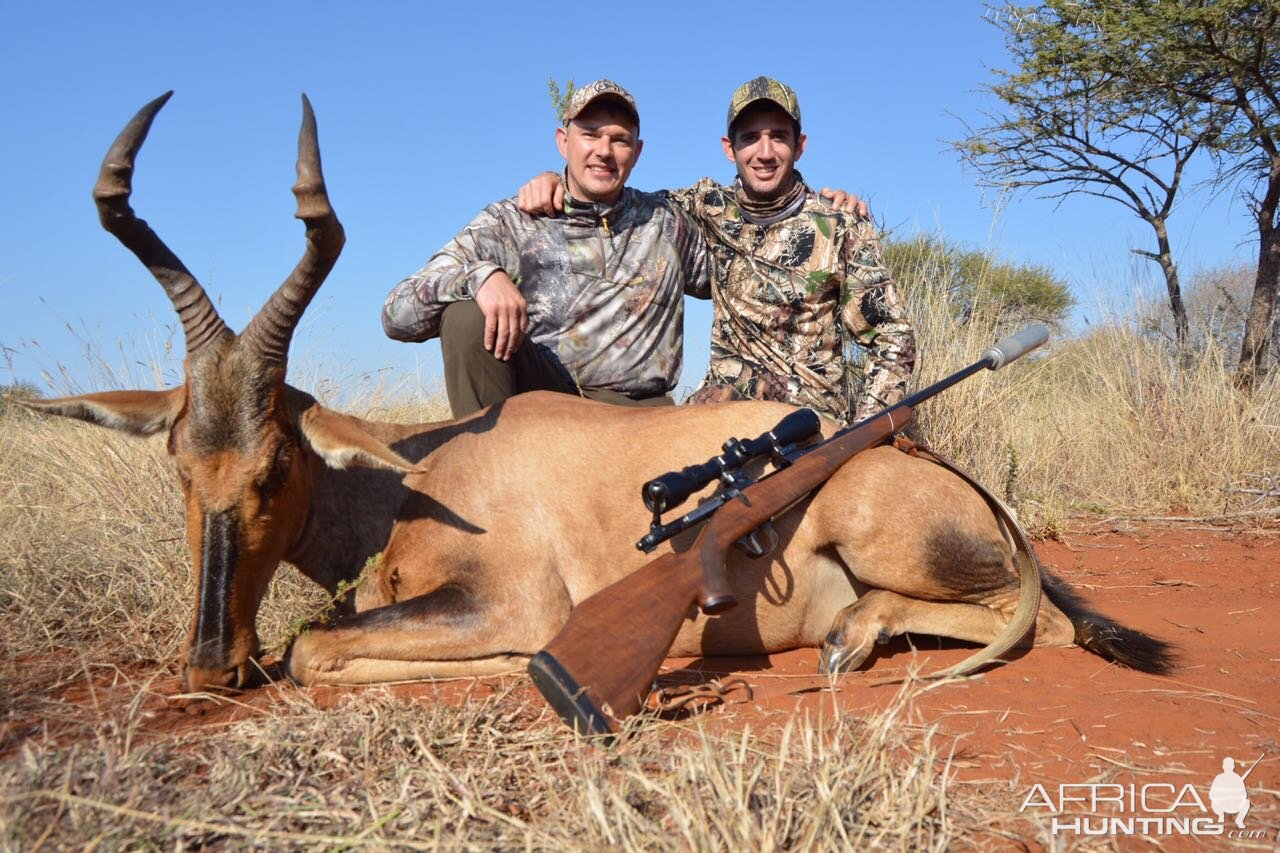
<point x="753" y="547"/>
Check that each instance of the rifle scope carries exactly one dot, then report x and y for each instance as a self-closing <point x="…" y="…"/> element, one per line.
<point x="674" y="488"/>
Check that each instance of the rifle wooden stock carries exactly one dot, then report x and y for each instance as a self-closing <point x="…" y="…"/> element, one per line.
<point x="601" y="666"/>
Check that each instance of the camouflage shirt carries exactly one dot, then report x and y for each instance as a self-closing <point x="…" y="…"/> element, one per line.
<point x="790" y="295"/>
<point x="604" y="285"/>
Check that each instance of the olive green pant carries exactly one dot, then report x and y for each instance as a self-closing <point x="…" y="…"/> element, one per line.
<point x="474" y="379"/>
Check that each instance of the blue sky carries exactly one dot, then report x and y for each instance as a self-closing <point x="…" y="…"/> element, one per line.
<point x="428" y="112"/>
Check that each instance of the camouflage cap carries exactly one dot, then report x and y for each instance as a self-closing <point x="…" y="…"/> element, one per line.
<point x="764" y="89"/>
<point x="585" y="95"/>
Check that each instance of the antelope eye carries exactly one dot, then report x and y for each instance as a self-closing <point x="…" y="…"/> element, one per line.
<point x="274" y="478"/>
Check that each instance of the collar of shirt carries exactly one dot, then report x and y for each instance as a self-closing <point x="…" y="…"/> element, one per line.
<point x="773" y="210"/>
<point x="593" y="212"/>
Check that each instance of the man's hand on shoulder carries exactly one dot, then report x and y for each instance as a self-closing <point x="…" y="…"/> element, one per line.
<point x="543" y="196"/>
<point x="846" y="202"/>
<point x="506" y="315"/>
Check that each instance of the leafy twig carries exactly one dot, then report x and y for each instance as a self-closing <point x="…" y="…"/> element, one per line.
<point x="323" y="616"/>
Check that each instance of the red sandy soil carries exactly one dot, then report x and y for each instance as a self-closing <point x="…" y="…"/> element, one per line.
<point x="1049" y="716"/>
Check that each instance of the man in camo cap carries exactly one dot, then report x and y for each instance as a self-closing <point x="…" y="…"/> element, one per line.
<point x="796" y="281"/>
<point x="599" y="291"/>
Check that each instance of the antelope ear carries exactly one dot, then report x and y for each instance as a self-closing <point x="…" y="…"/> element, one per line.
<point x="340" y="440"/>
<point x="136" y="412"/>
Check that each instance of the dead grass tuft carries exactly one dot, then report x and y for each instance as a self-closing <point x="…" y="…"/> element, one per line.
<point x="496" y="772"/>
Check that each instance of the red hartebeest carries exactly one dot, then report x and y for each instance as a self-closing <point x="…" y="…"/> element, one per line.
<point x="509" y="517"/>
<point x="252" y="453"/>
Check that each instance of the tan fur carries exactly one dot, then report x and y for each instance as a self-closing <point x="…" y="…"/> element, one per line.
<point x="542" y="508"/>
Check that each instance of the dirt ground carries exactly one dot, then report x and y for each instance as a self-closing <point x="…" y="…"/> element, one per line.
<point x="1049" y="716"/>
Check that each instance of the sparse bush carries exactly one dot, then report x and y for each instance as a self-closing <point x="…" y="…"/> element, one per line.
<point x="1217" y="301"/>
<point x="973" y="284"/>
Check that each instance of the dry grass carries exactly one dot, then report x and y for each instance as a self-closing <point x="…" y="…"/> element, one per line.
<point x="491" y="773"/>
<point x="1110" y="422"/>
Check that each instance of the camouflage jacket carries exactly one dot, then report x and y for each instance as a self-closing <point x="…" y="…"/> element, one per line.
<point x="790" y="296"/>
<point x="604" y="286"/>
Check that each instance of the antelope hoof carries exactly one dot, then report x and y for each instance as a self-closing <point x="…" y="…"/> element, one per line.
<point x="308" y="661"/>
<point x="837" y="658"/>
<point x="297" y="659"/>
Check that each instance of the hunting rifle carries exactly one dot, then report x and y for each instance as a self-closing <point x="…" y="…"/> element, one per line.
<point x="601" y="666"/>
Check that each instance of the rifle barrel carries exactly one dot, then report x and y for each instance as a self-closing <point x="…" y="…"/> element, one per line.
<point x="1004" y="351"/>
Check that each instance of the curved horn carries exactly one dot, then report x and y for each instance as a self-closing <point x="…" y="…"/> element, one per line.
<point x="271" y="329"/>
<point x="200" y="321"/>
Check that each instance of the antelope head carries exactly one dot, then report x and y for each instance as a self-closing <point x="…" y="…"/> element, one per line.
<point x="242" y="441"/>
